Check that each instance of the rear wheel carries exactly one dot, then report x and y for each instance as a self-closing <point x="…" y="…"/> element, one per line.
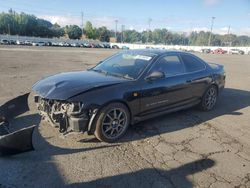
<point x="209" y="99"/>
<point x="112" y="122"/>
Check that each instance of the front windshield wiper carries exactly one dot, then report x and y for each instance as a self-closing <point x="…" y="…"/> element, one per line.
<point x="100" y="71"/>
<point x="121" y="75"/>
<point x="112" y="74"/>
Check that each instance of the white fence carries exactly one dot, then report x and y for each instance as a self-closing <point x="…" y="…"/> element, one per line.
<point x="178" y="47"/>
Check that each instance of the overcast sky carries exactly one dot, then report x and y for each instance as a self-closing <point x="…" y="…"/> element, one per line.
<point x="175" y="15"/>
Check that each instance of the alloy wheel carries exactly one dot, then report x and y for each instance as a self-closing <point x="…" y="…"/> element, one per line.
<point x="211" y="98"/>
<point x="114" y="123"/>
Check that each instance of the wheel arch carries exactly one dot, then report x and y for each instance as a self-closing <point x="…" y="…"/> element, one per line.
<point x="92" y="123"/>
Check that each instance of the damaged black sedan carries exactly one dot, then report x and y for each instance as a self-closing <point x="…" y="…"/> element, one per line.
<point x="126" y="88"/>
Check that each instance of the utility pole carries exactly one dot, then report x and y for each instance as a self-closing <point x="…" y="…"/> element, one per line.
<point x="212" y="24"/>
<point x="122" y="36"/>
<point x="116" y="21"/>
<point x="149" y="25"/>
<point x="228" y="39"/>
<point x="228" y="35"/>
<point x="82" y="21"/>
<point x="9" y="29"/>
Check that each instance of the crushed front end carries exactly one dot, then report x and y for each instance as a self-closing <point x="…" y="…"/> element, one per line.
<point x="66" y="116"/>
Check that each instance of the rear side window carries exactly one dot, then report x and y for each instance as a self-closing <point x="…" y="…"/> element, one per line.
<point x="191" y="63"/>
<point x="170" y="65"/>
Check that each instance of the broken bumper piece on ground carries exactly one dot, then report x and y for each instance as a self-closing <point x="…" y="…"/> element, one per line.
<point x="19" y="141"/>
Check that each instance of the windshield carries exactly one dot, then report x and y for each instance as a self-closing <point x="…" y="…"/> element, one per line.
<point x="128" y="64"/>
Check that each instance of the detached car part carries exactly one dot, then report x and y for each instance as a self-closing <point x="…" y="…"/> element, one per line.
<point x="19" y="141"/>
<point x="14" y="107"/>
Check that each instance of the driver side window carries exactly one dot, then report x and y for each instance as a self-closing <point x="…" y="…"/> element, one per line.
<point x="170" y="65"/>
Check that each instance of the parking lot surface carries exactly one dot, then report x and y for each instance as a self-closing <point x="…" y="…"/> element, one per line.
<point x="189" y="148"/>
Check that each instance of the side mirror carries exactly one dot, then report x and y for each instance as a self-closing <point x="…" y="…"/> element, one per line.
<point x="155" y="75"/>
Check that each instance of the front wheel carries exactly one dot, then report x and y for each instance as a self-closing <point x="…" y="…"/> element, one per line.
<point x="209" y="99"/>
<point x="112" y="122"/>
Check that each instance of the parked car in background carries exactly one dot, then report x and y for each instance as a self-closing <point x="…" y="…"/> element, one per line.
<point x="12" y="42"/>
<point x="236" y="51"/>
<point x="206" y="50"/>
<point x="4" y="42"/>
<point x="115" y="46"/>
<point x="55" y="44"/>
<point x="28" y="43"/>
<point x="38" y="43"/>
<point x="85" y="45"/>
<point x="106" y="45"/>
<point x="75" y="45"/>
<point x="20" y="42"/>
<point x="191" y="51"/>
<point x="125" y="48"/>
<point x="48" y="43"/>
<point x="219" y="51"/>
<point x="126" y="88"/>
<point x="66" y="44"/>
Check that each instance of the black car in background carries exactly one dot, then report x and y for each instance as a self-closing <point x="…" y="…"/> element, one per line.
<point x="128" y="87"/>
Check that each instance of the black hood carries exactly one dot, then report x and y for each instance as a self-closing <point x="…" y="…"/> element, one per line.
<point x="65" y="85"/>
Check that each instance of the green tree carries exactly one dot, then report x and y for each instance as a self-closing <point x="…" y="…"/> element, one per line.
<point x="131" y="36"/>
<point x="103" y="34"/>
<point x="73" y="31"/>
<point x="158" y="36"/>
<point x="144" y="36"/>
<point x="57" y="31"/>
<point x="89" y="30"/>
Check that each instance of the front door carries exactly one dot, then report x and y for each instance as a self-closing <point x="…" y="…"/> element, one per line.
<point x="170" y="91"/>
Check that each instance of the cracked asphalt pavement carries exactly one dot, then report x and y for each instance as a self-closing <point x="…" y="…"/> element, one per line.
<point x="189" y="148"/>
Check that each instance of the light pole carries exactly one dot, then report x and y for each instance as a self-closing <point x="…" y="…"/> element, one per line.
<point x="149" y="24"/>
<point x="228" y="39"/>
<point x="122" y="37"/>
<point x="212" y="24"/>
<point x="82" y="22"/>
<point x="228" y="35"/>
<point x="116" y="21"/>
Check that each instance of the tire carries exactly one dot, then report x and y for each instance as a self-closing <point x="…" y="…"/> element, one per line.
<point x="112" y="122"/>
<point x="209" y="98"/>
